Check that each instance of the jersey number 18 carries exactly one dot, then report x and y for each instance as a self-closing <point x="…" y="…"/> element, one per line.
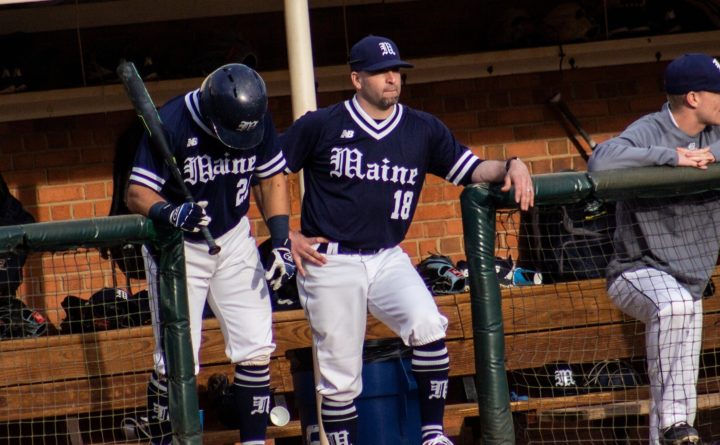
<point x="403" y="201"/>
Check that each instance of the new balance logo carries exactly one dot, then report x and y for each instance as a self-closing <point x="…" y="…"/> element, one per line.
<point x="192" y="142"/>
<point x="347" y="134"/>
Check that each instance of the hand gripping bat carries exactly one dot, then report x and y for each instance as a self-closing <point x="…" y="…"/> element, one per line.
<point x="148" y="114"/>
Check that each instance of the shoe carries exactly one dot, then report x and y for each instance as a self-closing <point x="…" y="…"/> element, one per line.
<point x="680" y="434"/>
<point x="140" y="429"/>
<point x="438" y="440"/>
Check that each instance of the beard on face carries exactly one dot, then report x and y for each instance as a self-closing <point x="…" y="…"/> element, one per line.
<point x="387" y="102"/>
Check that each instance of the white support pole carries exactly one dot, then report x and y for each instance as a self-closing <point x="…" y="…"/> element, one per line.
<point x="300" y="61"/>
<point x="302" y="87"/>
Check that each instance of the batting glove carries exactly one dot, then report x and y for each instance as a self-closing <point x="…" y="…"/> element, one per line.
<point x="188" y="216"/>
<point x="279" y="265"/>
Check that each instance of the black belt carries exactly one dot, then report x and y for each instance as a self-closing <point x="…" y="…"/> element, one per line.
<point x="345" y="250"/>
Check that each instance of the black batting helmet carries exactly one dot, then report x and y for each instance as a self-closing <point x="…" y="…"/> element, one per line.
<point x="112" y="308"/>
<point x="233" y="102"/>
<point x="613" y="374"/>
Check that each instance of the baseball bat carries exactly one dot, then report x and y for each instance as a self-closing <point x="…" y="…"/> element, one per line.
<point x="148" y="114"/>
<point x="557" y="102"/>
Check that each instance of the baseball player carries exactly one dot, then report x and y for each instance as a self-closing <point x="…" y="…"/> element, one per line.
<point x="364" y="163"/>
<point x="224" y="140"/>
<point x="665" y="250"/>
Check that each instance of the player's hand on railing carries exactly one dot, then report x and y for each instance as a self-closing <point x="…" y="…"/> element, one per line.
<point x="188" y="216"/>
<point x="698" y="158"/>
<point x="279" y="265"/>
<point x="518" y="176"/>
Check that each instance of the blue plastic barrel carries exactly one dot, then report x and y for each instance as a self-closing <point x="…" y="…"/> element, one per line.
<point x="388" y="407"/>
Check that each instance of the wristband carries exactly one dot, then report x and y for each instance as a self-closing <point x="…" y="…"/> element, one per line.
<point x="160" y="211"/>
<point x="279" y="227"/>
<point x="507" y="163"/>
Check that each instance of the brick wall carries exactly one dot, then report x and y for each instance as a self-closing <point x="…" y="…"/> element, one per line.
<point x="62" y="168"/>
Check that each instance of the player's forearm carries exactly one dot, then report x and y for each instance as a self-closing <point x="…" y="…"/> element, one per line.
<point x="274" y="197"/>
<point x="489" y="171"/>
<point x="139" y="199"/>
<point x="619" y="153"/>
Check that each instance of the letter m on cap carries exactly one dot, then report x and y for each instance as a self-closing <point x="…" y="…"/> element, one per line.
<point x="386" y="48"/>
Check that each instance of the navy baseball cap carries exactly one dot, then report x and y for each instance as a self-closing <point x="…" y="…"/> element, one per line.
<point x="692" y="72"/>
<point x="375" y="53"/>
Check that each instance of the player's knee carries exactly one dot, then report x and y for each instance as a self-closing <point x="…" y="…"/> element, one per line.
<point x="426" y="328"/>
<point x="340" y="393"/>
<point x="262" y="360"/>
<point x="435" y="345"/>
<point x="677" y="311"/>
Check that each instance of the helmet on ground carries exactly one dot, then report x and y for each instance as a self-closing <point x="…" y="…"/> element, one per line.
<point x="112" y="308"/>
<point x="233" y="102"/>
<point x="440" y="275"/>
<point x="77" y="317"/>
<point x="613" y="374"/>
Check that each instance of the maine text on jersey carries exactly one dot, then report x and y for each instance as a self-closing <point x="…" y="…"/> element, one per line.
<point x="204" y="168"/>
<point x="348" y="162"/>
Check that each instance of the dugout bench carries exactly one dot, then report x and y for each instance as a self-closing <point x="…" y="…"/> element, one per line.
<point x="109" y="383"/>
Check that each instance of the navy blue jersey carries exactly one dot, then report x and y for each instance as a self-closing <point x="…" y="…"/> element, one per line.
<point x="213" y="172"/>
<point x="362" y="177"/>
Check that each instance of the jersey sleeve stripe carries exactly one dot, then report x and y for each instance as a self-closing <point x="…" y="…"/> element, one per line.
<point x="458" y="165"/>
<point x="144" y="181"/>
<point x="278" y="158"/>
<point x="272" y="167"/>
<point x="271" y="172"/>
<point x="147" y="178"/>
<point x="461" y="168"/>
<point x="148" y="174"/>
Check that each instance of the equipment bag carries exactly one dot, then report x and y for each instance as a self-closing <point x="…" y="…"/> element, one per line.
<point x="570" y="242"/>
<point x="127" y="257"/>
<point x="12" y="212"/>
